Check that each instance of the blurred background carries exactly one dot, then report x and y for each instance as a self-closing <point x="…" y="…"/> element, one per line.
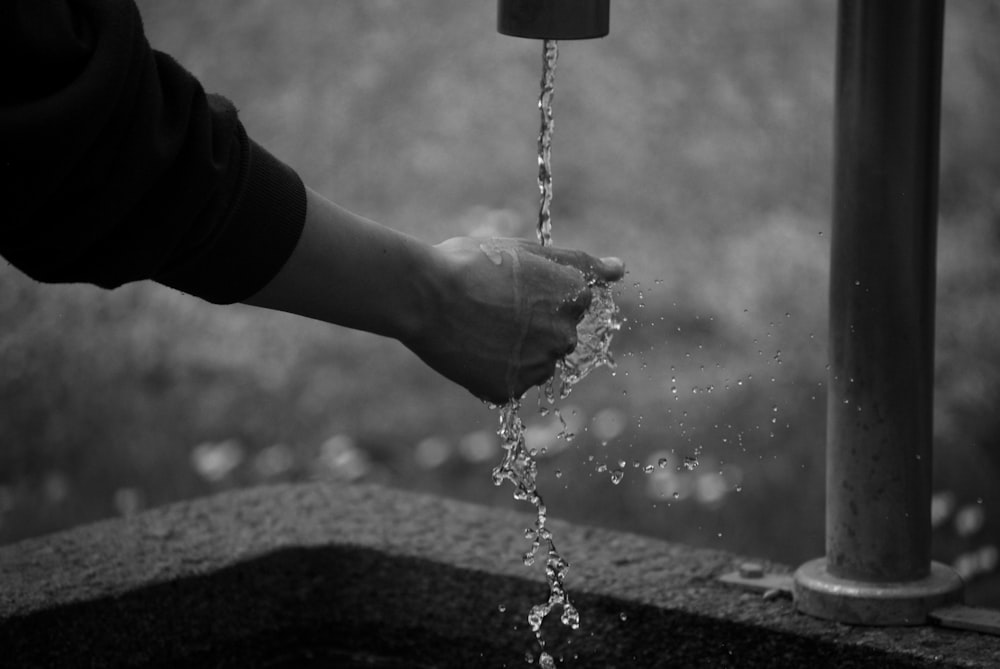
<point x="694" y="142"/>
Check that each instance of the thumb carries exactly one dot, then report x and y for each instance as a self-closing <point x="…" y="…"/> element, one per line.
<point x="612" y="268"/>
<point x="604" y="270"/>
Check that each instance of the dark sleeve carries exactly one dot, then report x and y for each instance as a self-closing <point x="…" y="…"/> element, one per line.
<point x="116" y="166"/>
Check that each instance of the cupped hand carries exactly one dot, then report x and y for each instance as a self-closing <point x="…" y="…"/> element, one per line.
<point x="507" y="311"/>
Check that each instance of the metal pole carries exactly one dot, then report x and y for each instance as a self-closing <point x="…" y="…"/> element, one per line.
<point x="878" y="568"/>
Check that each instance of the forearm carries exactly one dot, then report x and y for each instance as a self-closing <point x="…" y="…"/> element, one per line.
<point x="356" y="273"/>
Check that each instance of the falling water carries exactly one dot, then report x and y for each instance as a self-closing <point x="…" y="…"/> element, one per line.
<point x="550" y="53"/>
<point x="594" y="335"/>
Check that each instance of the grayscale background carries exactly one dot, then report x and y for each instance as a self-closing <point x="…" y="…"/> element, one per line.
<point x="694" y="142"/>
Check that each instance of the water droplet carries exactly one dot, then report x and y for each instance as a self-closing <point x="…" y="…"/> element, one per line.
<point x="617" y="476"/>
<point x="570" y="617"/>
<point x="623" y="616"/>
<point x="501" y="608"/>
<point x="663" y="463"/>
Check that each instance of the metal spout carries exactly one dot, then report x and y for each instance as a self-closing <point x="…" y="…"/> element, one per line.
<point x="553" y="19"/>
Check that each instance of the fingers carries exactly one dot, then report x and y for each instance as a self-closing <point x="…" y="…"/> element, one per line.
<point x="604" y="270"/>
<point x="570" y="345"/>
<point x="542" y="369"/>
<point x="536" y="375"/>
<point x="576" y="303"/>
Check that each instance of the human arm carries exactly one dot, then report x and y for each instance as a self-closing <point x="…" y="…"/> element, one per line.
<point x="116" y="166"/>
<point x="491" y="315"/>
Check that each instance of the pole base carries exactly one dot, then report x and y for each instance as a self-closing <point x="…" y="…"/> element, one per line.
<point x="823" y="595"/>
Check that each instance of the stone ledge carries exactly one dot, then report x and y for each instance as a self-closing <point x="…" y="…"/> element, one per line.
<point x="361" y="576"/>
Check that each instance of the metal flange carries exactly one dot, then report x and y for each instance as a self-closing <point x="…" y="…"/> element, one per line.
<point x="821" y="594"/>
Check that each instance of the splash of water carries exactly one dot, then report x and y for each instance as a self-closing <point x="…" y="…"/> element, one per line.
<point x="593" y="339"/>
<point x="594" y="335"/>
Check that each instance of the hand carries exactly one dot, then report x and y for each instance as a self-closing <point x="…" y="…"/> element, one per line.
<point x="493" y="315"/>
<point x="507" y="311"/>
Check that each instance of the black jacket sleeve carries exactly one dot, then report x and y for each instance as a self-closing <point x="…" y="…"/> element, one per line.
<point x="116" y="166"/>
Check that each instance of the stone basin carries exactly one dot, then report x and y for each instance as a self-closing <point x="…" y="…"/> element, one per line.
<point x="330" y="575"/>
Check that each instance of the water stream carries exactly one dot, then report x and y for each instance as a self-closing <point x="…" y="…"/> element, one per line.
<point x="594" y="334"/>
<point x="550" y="53"/>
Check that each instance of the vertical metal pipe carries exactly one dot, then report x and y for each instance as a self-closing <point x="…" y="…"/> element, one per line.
<point x="882" y="285"/>
<point x="882" y="289"/>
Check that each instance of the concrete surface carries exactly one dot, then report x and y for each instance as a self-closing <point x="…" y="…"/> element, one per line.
<point x="322" y="575"/>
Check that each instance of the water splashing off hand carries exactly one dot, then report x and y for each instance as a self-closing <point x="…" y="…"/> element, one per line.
<point x="594" y="332"/>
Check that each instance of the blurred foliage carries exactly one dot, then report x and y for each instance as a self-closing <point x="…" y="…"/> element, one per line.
<point x="695" y="142"/>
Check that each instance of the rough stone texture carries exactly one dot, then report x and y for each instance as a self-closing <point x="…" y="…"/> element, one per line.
<point x="324" y="575"/>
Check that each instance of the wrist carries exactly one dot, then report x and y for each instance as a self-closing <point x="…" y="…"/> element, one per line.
<point x="425" y="285"/>
<point x="353" y="272"/>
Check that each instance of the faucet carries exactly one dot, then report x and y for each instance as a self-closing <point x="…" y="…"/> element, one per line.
<point x="553" y="19"/>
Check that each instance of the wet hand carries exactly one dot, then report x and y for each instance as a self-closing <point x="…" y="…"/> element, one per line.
<point x="506" y="312"/>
